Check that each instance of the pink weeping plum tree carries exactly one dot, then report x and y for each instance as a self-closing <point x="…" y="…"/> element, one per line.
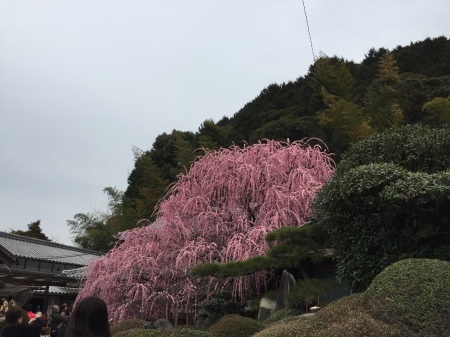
<point x="219" y="211"/>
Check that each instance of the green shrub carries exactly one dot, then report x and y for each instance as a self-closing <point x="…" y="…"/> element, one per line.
<point x="235" y="325"/>
<point x="413" y="294"/>
<point x="410" y="298"/>
<point x="342" y="318"/>
<point x="127" y="325"/>
<point x="307" y="292"/>
<point x="219" y="305"/>
<point x="388" y="201"/>
<point x="177" y="332"/>
<point x="282" y="314"/>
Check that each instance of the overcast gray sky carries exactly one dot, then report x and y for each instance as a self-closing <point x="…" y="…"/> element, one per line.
<point x="83" y="81"/>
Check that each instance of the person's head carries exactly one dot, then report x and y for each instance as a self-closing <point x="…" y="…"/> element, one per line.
<point x="14" y="315"/>
<point x="89" y="319"/>
<point x="28" y="307"/>
<point x="55" y="308"/>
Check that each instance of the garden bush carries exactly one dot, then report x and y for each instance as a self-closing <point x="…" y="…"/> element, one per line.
<point x="413" y="294"/>
<point x="177" y="332"/>
<point x="388" y="201"/>
<point x="219" y="305"/>
<point x="127" y="325"/>
<point x="410" y="298"/>
<point x="342" y="318"/>
<point x="282" y="314"/>
<point x="235" y="325"/>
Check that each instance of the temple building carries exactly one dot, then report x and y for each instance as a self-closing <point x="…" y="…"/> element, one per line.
<point x="41" y="272"/>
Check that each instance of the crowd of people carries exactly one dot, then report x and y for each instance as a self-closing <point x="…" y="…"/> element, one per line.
<point x="88" y="319"/>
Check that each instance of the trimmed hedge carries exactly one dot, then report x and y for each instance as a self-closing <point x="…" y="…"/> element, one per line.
<point x="342" y="318"/>
<point x="282" y="314"/>
<point x="413" y="294"/>
<point x="235" y="325"/>
<point x="177" y="332"/>
<point x="127" y="324"/>
<point x="410" y="298"/>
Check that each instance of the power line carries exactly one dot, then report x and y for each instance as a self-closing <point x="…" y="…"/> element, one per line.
<point x="309" y="33"/>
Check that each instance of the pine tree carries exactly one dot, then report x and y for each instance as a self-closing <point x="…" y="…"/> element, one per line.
<point x="388" y="71"/>
<point x="34" y="231"/>
<point x="383" y="98"/>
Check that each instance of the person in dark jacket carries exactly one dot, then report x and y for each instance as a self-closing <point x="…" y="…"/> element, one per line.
<point x="55" y="321"/>
<point x="15" y="326"/>
<point x="65" y="322"/>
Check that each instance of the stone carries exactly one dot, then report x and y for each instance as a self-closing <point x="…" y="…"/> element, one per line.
<point x="286" y="284"/>
<point x="149" y="325"/>
<point x="266" y="308"/>
<point x="160" y="323"/>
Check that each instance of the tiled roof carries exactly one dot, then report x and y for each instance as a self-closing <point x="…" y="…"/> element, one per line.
<point x="23" y="247"/>
<point x="53" y="290"/>
<point x="76" y="273"/>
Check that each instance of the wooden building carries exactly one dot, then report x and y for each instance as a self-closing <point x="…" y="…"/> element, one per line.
<point x="39" y="271"/>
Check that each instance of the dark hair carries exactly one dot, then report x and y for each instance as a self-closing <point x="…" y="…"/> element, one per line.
<point x="89" y="319"/>
<point x="28" y="307"/>
<point x="13" y="314"/>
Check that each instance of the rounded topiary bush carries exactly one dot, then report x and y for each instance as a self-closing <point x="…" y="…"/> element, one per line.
<point x="282" y="314"/>
<point x="235" y="325"/>
<point x="127" y="325"/>
<point x="413" y="294"/>
<point x="177" y="332"/>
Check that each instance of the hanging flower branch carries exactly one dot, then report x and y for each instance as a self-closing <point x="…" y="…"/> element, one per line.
<point x="219" y="211"/>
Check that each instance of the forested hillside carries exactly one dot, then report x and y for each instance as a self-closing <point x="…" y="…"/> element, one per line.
<point x="338" y="101"/>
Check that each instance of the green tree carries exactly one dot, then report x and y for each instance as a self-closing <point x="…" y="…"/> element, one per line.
<point x="213" y="136"/>
<point x="437" y="111"/>
<point x="146" y="186"/>
<point x="34" y="231"/>
<point x="430" y="57"/>
<point x="333" y="75"/>
<point x="154" y="170"/>
<point x="345" y="121"/>
<point x="290" y="248"/>
<point x="388" y="71"/>
<point x="388" y="200"/>
<point x="290" y="126"/>
<point x="366" y="71"/>
<point x="96" y="230"/>
<point x="383" y="97"/>
<point x="297" y="249"/>
<point x="170" y="153"/>
<point x="416" y="90"/>
<point x="89" y="231"/>
<point x="163" y="155"/>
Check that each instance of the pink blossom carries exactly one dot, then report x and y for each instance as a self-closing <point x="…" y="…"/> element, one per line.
<point x="219" y="211"/>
